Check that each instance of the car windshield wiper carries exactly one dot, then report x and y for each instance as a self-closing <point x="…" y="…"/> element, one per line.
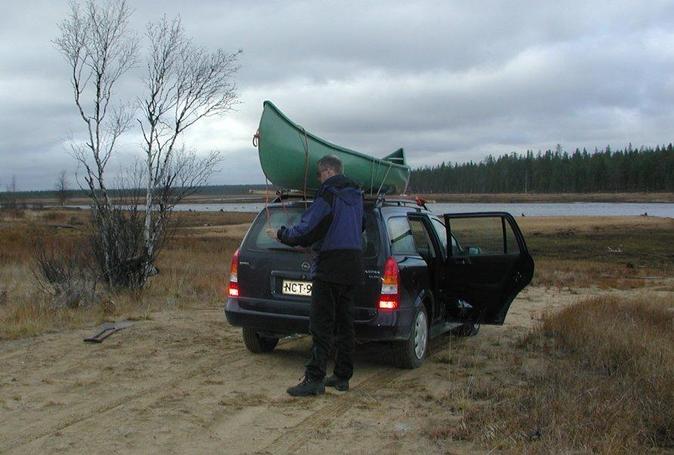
<point x="401" y="236"/>
<point x="280" y="248"/>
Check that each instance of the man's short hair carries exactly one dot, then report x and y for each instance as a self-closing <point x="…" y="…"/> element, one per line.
<point x="331" y="162"/>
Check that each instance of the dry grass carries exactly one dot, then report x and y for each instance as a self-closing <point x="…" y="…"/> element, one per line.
<point x="569" y="253"/>
<point x="191" y="219"/>
<point x="616" y="252"/>
<point x="193" y="271"/>
<point x="604" y="383"/>
<point x="573" y="274"/>
<point x="25" y="310"/>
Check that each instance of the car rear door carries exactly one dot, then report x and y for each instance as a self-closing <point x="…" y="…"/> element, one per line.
<point x="274" y="277"/>
<point x="487" y="265"/>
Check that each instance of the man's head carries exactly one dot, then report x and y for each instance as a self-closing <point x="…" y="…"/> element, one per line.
<point x="328" y="166"/>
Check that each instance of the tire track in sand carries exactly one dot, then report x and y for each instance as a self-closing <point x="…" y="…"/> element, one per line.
<point x="38" y="430"/>
<point x="293" y="440"/>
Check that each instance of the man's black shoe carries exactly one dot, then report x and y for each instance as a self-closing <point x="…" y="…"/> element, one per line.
<point x="338" y="383"/>
<point x="307" y="387"/>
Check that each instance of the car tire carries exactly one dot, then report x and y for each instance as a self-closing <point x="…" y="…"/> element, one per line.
<point x="410" y="353"/>
<point x="257" y="343"/>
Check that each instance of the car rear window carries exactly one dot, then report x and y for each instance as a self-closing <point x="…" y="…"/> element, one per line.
<point x="275" y="217"/>
<point x="402" y="240"/>
<point x="272" y="218"/>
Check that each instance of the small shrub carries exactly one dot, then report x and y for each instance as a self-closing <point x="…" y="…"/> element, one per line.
<point x="124" y="262"/>
<point x="67" y="273"/>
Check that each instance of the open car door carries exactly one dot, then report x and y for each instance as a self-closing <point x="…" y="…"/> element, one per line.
<point x="487" y="265"/>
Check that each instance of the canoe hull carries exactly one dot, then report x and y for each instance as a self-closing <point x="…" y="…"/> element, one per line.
<point x="288" y="154"/>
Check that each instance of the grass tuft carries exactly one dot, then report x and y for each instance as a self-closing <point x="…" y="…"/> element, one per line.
<point x="606" y="385"/>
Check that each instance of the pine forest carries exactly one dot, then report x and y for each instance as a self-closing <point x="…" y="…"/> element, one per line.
<point x="630" y="170"/>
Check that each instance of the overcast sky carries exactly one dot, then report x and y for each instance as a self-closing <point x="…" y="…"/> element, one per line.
<point x="448" y="81"/>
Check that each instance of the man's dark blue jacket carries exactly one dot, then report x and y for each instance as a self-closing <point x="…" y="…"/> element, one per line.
<point x="333" y="224"/>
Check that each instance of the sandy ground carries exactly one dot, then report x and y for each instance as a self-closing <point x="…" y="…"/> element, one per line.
<point x="183" y="382"/>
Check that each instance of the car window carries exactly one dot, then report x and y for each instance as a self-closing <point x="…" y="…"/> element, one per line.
<point x="275" y="217"/>
<point x="410" y="237"/>
<point x="400" y="236"/>
<point x="441" y="231"/>
<point x="422" y="238"/>
<point x="272" y="218"/>
<point x="484" y="236"/>
<point x="512" y="246"/>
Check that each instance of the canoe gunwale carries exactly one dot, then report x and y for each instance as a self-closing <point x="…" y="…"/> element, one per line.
<point x="302" y="131"/>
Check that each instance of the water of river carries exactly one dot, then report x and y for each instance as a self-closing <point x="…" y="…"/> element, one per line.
<point x="517" y="209"/>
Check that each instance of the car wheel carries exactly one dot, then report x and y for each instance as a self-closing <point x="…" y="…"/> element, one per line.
<point x="411" y="353"/>
<point x="257" y="343"/>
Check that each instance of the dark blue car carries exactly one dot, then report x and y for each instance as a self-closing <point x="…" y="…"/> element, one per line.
<point x="425" y="274"/>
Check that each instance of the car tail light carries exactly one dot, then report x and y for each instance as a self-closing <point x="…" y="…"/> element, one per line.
<point x="389" y="299"/>
<point x="233" y="289"/>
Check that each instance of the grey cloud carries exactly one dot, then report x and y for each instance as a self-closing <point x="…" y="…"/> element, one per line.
<point x="446" y="80"/>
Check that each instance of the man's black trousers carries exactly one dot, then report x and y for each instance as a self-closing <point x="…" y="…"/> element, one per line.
<point x="331" y="315"/>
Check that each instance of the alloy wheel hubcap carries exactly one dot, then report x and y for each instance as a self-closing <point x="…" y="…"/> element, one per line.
<point x="420" y="335"/>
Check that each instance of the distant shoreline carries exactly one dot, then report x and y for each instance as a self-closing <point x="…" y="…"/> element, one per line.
<point x="551" y="197"/>
<point x="433" y="197"/>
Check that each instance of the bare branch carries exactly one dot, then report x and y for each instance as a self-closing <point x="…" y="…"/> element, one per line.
<point x="99" y="49"/>
<point x="183" y="84"/>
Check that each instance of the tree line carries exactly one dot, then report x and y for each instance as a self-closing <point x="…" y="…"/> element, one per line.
<point x="645" y="169"/>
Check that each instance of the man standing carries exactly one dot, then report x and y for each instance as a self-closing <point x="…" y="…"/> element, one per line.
<point x="332" y="225"/>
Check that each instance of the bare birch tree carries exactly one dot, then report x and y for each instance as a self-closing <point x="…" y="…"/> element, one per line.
<point x="61" y="187"/>
<point x="10" y="194"/>
<point x="184" y="84"/>
<point x="99" y="49"/>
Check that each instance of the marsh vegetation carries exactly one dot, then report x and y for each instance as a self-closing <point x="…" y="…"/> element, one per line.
<point x="583" y="363"/>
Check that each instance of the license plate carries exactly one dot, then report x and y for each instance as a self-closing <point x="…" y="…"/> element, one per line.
<point x="296" y="287"/>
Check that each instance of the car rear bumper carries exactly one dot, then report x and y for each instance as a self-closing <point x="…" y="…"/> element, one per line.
<point x="382" y="326"/>
<point x="263" y="321"/>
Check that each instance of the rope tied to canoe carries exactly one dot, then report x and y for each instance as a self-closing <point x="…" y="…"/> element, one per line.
<point x="372" y="176"/>
<point x="390" y="165"/>
<point x="256" y="141"/>
<point x="266" y="202"/>
<point x="306" y="158"/>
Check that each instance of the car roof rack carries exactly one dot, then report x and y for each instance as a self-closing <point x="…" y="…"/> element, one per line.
<point x="378" y="200"/>
<point x="282" y="195"/>
<point x="400" y="201"/>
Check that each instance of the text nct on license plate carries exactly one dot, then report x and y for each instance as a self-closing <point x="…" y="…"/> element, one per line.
<point x="296" y="287"/>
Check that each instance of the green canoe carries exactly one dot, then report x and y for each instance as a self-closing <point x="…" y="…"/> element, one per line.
<point x="288" y="153"/>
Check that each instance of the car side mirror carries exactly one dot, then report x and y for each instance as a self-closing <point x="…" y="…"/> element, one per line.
<point x="473" y="250"/>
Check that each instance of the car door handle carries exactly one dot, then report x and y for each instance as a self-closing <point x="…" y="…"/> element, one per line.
<point x="461" y="261"/>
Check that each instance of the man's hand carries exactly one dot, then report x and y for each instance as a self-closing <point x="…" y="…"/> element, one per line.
<point x="271" y="232"/>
